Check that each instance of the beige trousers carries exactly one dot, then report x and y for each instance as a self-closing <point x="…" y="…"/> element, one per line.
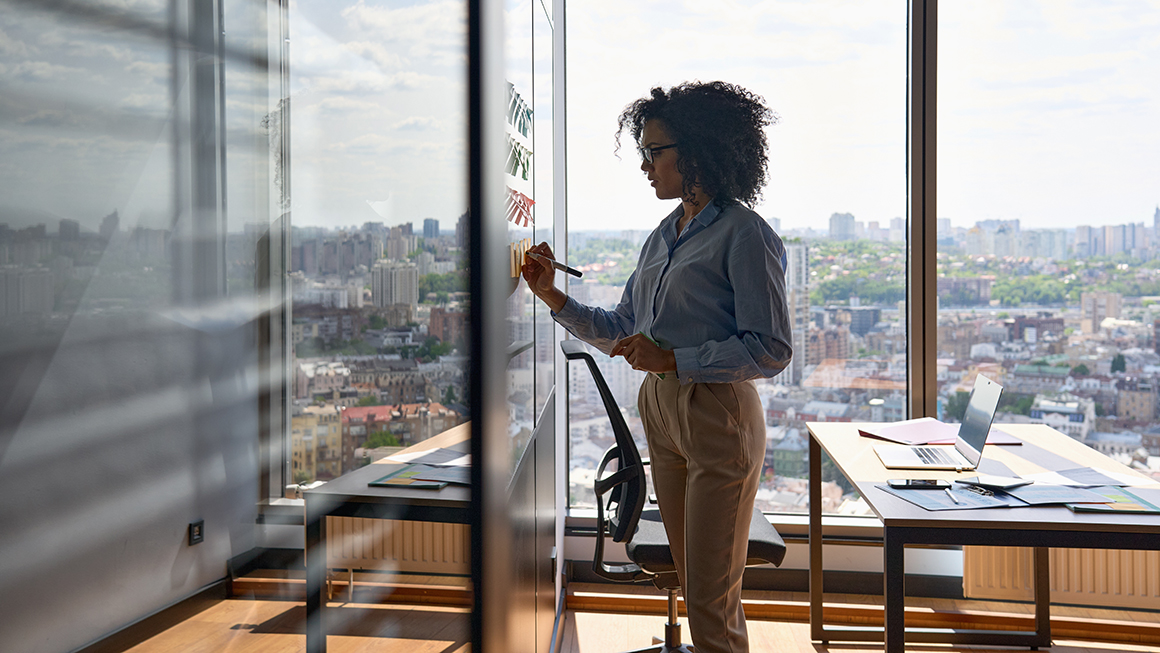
<point x="707" y="445"/>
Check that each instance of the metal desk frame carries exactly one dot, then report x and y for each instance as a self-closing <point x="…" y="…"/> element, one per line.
<point x="902" y="528"/>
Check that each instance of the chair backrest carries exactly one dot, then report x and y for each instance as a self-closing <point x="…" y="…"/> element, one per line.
<point x="625" y="487"/>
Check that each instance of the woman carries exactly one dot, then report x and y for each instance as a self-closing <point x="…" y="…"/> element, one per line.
<point x="705" y="312"/>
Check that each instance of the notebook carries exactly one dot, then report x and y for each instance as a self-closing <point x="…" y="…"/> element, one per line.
<point x="967" y="450"/>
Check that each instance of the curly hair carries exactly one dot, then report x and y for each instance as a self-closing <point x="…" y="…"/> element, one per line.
<point x="719" y="131"/>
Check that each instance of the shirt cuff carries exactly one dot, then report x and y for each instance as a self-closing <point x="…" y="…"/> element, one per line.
<point x="688" y="367"/>
<point x="569" y="312"/>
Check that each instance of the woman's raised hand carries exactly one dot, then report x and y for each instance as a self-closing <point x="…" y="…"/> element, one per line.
<point x="541" y="277"/>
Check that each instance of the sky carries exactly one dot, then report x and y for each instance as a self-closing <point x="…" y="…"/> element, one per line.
<point x="1048" y="109"/>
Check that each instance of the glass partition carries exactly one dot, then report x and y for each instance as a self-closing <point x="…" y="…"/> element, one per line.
<point x="142" y="233"/>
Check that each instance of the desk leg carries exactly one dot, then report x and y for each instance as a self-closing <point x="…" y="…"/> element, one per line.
<point x="817" y="626"/>
<point x="894" y="575"/>
<point x="315" y="578"/>
<point x="1040" y="561"/>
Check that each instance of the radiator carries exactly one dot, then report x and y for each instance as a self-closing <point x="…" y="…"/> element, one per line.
<point x="1098" y="577"/>
<point x="394" y="545"/>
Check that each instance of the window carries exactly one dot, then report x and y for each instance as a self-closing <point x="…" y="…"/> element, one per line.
<point x="1048" y="217"/>
<point x="835" y="72"/>
<point x="378" y="242"/>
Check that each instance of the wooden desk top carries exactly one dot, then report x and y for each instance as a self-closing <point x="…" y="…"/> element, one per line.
<point x="445" y="440"/>
<point x="352" y="487"/>
<point x="1043" y="449"/>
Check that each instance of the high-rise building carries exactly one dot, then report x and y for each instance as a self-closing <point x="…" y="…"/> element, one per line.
<point x="26" y="291"/>
<point x="1083" y="241"/>
<point x="401" y="242"/>
<point x="842" y="226"/>
<point x="461" y="230"/>
<point x="898" y="230"/>
<point x="69" y="229"/>
<point x="1096" y="306"/>
<point x="109" y="225"/>
<point x="430" y="228"/>
<point x="394" y="282"/>
<point x="797" y="289"/>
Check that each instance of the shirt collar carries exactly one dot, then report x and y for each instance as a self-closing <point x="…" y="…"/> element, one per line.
<point x="706" y="217"/>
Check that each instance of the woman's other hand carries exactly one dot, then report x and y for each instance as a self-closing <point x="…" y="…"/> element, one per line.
<point x="642" y="354"/>
<point x="541" y="277"/>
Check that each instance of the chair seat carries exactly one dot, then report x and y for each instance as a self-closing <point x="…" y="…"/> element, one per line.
<point x="649" y="547"/>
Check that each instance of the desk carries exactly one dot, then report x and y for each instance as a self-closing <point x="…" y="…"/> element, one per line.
<point x="1043" y="449"/>
<point x="350" y="496"/>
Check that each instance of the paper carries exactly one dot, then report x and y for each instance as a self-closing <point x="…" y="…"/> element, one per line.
<point x="405" y="475"/>
<point x="1119" y="500"/>
<point x="457" y="475"/>
<point x="928" y="430"/>
<point x="1040" y="494"/>
<point x="938" y="499"/>
<point x="1088" y="477"/>
<point x="437" y="457"/>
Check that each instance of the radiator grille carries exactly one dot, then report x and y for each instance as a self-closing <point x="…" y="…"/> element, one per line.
<point x="1081" y="576"/>
<point x="395" y="545"/>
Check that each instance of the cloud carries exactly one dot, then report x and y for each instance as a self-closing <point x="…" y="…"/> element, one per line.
<point x="158" y="71"/>
<point x="417" y="123"/>
<point x="434" y="33"/>
<point x="377" y="53"/>
<point x="38" y="71"/>
<point x="13" y="47"/>
<point x="48" y="118"/>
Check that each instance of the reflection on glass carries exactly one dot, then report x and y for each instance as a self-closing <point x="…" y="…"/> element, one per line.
<point x="141" y="221"/>
<point x="528" y="192"/>
<point x="1047" y="256"/>
<point x="837" y="187"/>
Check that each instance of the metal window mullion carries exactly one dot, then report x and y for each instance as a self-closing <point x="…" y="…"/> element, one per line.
<point x="922" y="307"/>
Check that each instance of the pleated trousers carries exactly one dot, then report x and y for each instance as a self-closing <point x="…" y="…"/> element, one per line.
<point x="707" y="444"/>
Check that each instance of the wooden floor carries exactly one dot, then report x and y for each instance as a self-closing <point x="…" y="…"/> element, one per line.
<point x="276" y="626"/>
<point x="255" y="626"/>
<point x="604" y="633"/>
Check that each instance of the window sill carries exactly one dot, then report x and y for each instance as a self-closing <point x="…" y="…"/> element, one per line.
<point x="836" y="529"/>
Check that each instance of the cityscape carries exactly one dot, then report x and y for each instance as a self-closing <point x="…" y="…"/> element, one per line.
<point x="1068" y="321"/>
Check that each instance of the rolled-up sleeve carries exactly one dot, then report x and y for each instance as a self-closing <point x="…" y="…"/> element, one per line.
<point x="762" y="346"/>
<point x="599" y="327"/>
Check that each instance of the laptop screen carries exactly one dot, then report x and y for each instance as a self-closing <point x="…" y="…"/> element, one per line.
<point x="977" y="420"/>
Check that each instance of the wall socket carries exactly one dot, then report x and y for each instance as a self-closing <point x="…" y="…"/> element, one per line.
<point x="196" y="532"/>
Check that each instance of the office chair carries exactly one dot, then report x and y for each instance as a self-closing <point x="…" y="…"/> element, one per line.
<point x="647" y="544"/>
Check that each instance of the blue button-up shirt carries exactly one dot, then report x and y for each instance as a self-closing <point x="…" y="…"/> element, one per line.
<point x="715" y="296"/>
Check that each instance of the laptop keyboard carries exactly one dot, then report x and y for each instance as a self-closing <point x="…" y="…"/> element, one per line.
<point x="934" y="456"/>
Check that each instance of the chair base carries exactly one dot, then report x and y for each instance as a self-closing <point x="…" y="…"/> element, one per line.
<point x="672" y="641"/>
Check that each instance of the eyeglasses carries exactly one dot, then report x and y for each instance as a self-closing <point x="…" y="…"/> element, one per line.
<point x="647" y="153"/>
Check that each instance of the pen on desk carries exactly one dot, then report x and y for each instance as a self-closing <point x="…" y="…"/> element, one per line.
<point x="952" y="496"/>
<point x="556" y="264"/>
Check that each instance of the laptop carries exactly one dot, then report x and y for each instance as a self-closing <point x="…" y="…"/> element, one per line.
<point x="967" y="450"/>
